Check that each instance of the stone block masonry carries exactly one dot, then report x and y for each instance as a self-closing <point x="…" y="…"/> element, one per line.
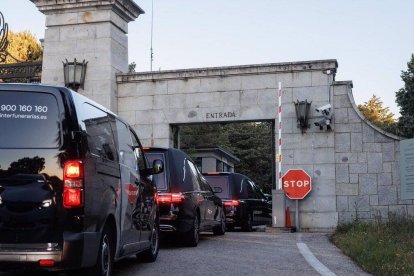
<point x="88" y="30"/>
<point x="373" y="188"/>
<point x="354" y="168"/>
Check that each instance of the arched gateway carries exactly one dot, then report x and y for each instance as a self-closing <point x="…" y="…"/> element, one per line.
<point x="354" y="167"/>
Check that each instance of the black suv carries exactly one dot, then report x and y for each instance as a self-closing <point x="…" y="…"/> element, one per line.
<point x="75" y="186"/>
<point x="244" y="202"/>
<point x="187" y="203"/>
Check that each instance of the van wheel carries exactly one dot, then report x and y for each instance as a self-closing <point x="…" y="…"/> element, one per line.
<point x="248" y="223"/>
<point x="221" y="229"/>
<point x="105" y="260"/>
<point x="151" y="254"/>
<point x="193" y="236"/>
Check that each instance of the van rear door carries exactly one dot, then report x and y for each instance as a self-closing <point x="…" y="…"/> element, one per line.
<point x="30" y="166"/>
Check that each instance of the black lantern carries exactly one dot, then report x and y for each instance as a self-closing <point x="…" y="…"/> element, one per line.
<point x="74" y="73"/>
<point x="302" y="113"/>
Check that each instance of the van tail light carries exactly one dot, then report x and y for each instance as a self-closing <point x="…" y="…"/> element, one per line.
<point x="46" y="262"/>
<point x="73" y="184"/>
<point x="233" y="203"/>
<point x="167" y="198"/>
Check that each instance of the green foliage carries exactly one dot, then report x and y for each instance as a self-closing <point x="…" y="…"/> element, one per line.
<point x="379" y="248"/>
<point x="23" y="47"/>
<point x="250" y="142"/>
<point x="131" y="67"/>
<point x="405" y="100"/>
<point x="374" y="111"/>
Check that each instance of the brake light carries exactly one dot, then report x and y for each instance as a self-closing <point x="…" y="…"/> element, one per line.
<point x="46" y="262"/>
<point x="73" y="184"/>
<point x="73" y="169"/>
<point x="213" y="173"/>
<point x="168" y="198"/>
<point x="232" y="203"/>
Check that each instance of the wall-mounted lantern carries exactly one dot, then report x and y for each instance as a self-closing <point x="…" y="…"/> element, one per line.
<point x="74" y="73"/>
<point x="302" y="114"/>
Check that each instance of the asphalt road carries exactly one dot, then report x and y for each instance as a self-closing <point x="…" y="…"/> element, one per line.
<point x="241" y="253"/>
<point x="255" y="253"/>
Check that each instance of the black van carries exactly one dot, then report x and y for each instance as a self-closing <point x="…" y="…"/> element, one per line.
<point x="187" y="203"/>
<point x="75" y="187"/>
<point x="244" y="202"/>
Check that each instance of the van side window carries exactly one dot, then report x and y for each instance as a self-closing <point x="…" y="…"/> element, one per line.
<point x="259" y="192"/>
<point x="98" y="129"/>
<point x="124" y="142"/>
<point x="139" y="153"/>
<point x="194" y="176"/>
<point x="252" y="190"/>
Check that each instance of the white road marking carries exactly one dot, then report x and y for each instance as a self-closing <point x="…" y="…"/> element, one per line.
<point x="313" y="261"/>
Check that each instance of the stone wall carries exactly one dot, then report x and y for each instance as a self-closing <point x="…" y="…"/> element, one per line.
<point x="152" y="102"/>
<point x="354" y="168"/>
<point x="366" y="164"/>
<point x="89" y="30"/>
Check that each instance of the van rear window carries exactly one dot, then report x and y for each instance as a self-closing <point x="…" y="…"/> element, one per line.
<point x="222" y="182"/>
<point x="29" y="120"/>
<point x="159" y="179"/>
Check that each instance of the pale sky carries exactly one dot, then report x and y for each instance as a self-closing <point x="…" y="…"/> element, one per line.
<point x="372" y="39"/>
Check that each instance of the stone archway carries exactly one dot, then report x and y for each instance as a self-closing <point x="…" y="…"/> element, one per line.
<point x="153" y="102"/>
<point x="354" y="167"/>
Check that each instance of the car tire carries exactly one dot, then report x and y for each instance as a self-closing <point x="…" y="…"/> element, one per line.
<point x="193" y="236"/>
<point x="220" y="229"/>
<point x="105" y="261"/>
<point x="151" y="254"/>
<point x="248" y="223"/>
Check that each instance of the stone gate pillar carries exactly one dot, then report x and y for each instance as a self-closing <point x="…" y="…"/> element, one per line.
<point x="91" y="30"/>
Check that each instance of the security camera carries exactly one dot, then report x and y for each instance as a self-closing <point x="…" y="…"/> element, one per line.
<point x="322" y="123"/>
<point x="323" y="108"/>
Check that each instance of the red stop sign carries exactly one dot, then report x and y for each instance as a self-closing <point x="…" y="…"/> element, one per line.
<point x="296" y="184"/>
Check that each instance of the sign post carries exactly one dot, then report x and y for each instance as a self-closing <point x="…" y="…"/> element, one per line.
<point x="297" y="184"/>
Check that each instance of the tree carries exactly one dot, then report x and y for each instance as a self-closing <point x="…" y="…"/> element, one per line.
<point x="27" y="165"/>
<point x="250" y="142"/>
<point x="131" y="67"/>
<point x="23" y="47"/>
<point x="405" y="100"/>
<point x="374" y="111"/>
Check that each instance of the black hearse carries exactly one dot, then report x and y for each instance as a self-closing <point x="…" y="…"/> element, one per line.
<point x="187" y="203"/>
<point x="245" y="204"/>
<point x="75" y="187"/>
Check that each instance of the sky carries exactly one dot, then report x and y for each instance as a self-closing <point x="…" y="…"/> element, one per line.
<point x="372" y="40"/>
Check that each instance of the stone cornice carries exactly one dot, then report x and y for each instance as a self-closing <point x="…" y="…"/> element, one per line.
<point x="315" y="65"/>
<point x="126" y="9"/>
<point x="361" y="116"/>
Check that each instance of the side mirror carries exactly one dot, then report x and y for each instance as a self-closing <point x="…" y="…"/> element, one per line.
<point x="217" y="190"/>
<point x="268" y="197"/>
<point x="157" y="166"/>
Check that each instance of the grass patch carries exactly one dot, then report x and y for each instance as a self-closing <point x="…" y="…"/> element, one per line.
<point x="379" y="248"/>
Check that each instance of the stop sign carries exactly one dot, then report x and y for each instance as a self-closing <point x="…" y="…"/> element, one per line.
<point x="296" y="184"/>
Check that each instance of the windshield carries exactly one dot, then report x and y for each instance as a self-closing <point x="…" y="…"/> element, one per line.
<point x="28" y="120"/>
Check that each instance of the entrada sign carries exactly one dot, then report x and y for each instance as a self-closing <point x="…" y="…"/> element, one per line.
<point x="221" y="115"/>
